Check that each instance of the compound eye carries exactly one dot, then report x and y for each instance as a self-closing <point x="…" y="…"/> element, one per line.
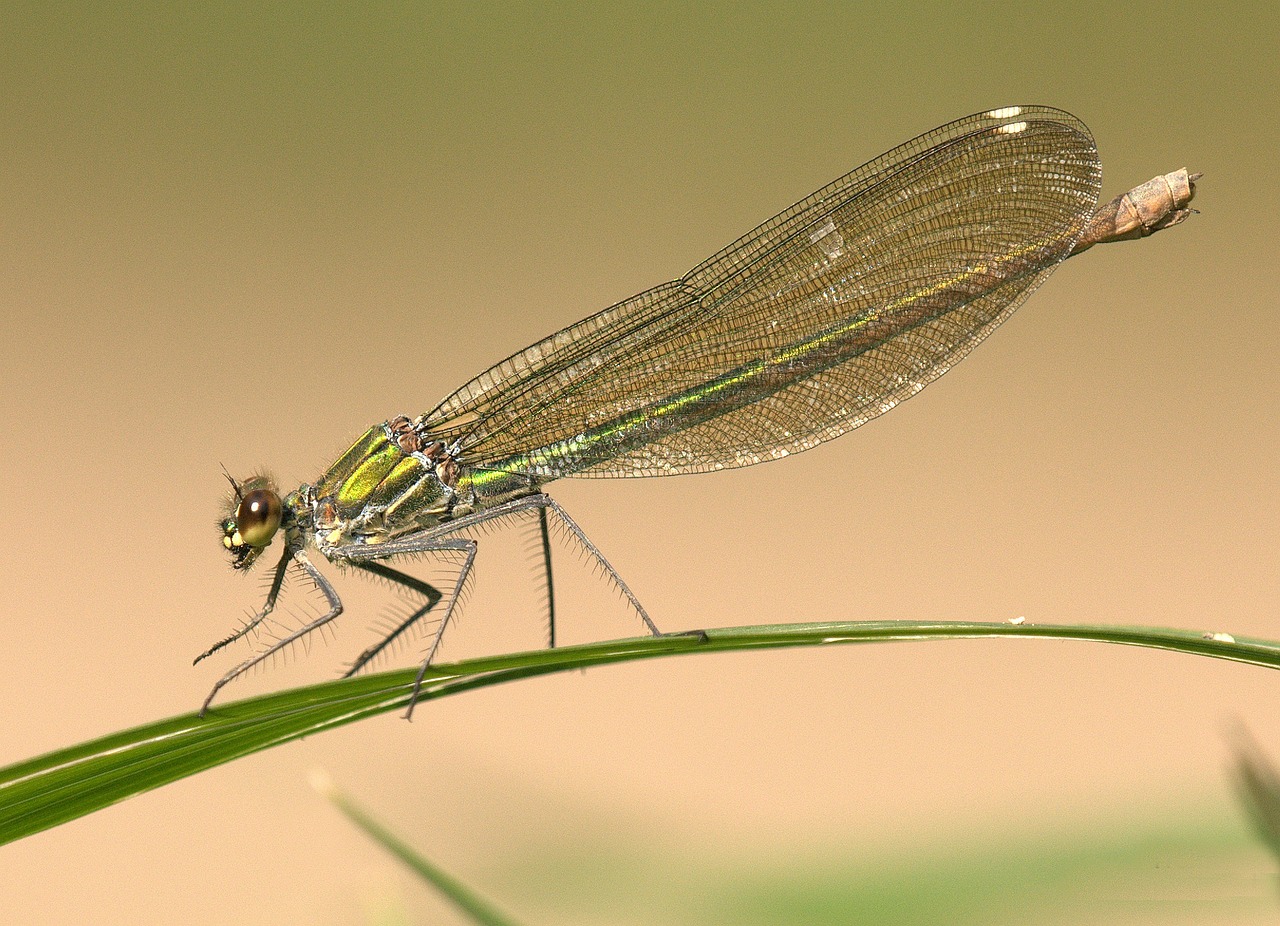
<point x="258" y="517"/>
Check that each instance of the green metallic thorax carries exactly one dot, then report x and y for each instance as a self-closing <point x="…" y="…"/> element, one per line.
<point x="378" y="490"/>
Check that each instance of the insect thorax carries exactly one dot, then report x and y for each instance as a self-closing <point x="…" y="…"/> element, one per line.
<point x="390" y="481"/>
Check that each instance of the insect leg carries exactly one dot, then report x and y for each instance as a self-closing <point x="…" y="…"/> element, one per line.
<point x="335" y="608"/>
<point x="540" y="501"/>
<point x="426" y="542"/>
<point x="272" y="594"/>
<point x="438" y="539"/>
<point x="429" y="592"/>
<point x="545" y="534"/>
<point x="547" y="503"/>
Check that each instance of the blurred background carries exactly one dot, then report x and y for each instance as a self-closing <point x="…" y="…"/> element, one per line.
<point x="239" y="236"/>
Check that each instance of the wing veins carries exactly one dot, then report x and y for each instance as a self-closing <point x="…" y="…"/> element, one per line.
<point x="712" y="315"/>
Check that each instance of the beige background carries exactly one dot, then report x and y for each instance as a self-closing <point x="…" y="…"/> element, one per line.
<point x="240" y="238"/>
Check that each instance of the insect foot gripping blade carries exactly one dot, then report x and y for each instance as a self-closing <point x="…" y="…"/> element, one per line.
<point x="1144" y="210"/>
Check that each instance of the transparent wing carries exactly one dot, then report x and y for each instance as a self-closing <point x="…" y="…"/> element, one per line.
<point x="819" y="320"/>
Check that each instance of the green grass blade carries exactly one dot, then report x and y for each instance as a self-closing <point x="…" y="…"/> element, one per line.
<point x="1137" y="872"/>
<point x="1258" y="788"/>
<point x="49" y="790"/>
<point x="454" y="890"/>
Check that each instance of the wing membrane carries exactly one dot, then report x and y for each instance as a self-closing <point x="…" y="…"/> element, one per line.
<point x="819" y="320"/>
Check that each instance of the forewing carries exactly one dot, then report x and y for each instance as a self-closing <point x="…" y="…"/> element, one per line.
<point x="492" y="413"/>
<point x="812" y="324"/>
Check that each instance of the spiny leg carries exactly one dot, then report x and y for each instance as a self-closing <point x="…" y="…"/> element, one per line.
<point x="429" y="592"/>
<point x="546" y="502"/>
<point x="428" y="540"/>
<point x="469" y="547"/>
<point x="277" y="581"/>
<point x="591" y="548"/>
<point x="545" y="534"/>
<point x="437" y="539"/>
<point x="335" y="608"/>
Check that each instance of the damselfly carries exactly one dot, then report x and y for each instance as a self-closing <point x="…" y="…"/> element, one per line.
<point x="821" y="319"/>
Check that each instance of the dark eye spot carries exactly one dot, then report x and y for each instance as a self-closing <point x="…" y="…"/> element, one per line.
<point x="258" y="517"/>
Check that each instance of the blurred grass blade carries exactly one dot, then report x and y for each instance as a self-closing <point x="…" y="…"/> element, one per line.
<point x="462" y="897"/>
<point x="1192" y="864"/>
<point x="49" y="790"/>
<point x="1258" y="786"/>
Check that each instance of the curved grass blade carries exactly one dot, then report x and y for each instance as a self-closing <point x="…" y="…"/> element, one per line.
<point x="46" y="791"/>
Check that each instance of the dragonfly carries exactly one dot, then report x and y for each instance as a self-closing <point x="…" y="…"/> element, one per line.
<point x="816" y="322"/>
